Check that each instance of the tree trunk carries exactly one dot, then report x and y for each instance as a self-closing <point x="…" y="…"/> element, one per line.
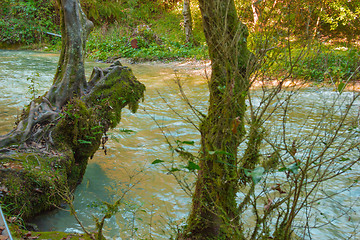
<point x="70" y="78"/>
<point x="188" y="22"/>
<point x="49" y="149"/>
<point x="214" y="210"/>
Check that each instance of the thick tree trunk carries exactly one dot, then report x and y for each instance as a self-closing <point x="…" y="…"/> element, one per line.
<point x="214" y="210"/>
<point x="48" y="150"/>
<point x="70" y="78"/>
<point x="188" y="21"/>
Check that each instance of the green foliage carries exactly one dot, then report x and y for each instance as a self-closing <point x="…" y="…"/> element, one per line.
<point x="329" y="65"/>
<point x="341" y="17"/>
<point x="304" y="18"/>
<point x="158" y="32"/>
<point x="26" y="21"/>
<point x="157" y="161"/>
<point x="40" y="177"/>
<point x="162" y="41"/>
<point x="127" y="12"/>
<point x="294" y="168"/>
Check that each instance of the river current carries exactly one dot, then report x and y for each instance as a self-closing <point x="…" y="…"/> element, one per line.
<point x="156" y="204"/>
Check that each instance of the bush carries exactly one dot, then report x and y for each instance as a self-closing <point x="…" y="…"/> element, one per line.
<point x="26" y="21"/>
<point x="104" y="44"/>
<point x="329" y="66"/>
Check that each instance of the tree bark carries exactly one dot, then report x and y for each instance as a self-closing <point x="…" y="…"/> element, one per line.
<point x="70" y="78"/>
<point x="214" y="209"/>
<point x="57" y="133"/>
<point x="188" y="21"/>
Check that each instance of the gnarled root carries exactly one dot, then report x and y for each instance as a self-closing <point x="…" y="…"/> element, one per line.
<point x="39" y="115"/>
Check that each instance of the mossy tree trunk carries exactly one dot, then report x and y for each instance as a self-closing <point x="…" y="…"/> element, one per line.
<point x="214" y="209"/>
<point x="70" y="78"/>
<point x="57" y="133"/>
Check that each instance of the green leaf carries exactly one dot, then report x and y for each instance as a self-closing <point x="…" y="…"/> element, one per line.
<point x="174" y="170"/>
<point x="128" y="131"/>
<point x="294" y="168"/>
<point x="188" y="142"/>
<point x="247" y="172"/>
<point x="256" y="174"/>
<point x="84" y="142"/>
<point x="95" y="127"/>
<point x="341" y="87"/>
<point x="157" y="161"/>
<point x="192" y="166"/>
<point x="344" y="159"/>
<point x="185" y="142"/>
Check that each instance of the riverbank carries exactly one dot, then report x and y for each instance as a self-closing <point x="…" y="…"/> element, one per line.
<point x="202" y="68"/>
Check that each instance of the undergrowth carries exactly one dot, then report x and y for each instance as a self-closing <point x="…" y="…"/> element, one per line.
<point x="329" y="65"/>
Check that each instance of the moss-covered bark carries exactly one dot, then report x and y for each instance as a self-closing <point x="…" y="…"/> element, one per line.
<point x="214" y="209"/>
<point x="34" y="173"/>
<point x="55" y="136"/>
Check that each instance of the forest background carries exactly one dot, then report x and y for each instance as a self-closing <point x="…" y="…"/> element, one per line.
<point x="154" y="30"/>
<point x="158" y="27"/>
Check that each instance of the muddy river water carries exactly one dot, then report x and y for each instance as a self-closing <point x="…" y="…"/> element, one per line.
<point x="156" y="204"/>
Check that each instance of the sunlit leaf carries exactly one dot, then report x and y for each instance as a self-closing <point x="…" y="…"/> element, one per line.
<point x="247" y="172"/>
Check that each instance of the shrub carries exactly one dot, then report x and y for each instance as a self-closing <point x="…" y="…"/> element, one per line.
<point x="332" y="66"/>
<point x="26" y="21"/>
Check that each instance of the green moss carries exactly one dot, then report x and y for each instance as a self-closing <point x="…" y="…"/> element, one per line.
<point x="18" y="233"/>
<point x="32" y="182"/>
<point x="78" y="134"/>
<point x="119" y="89"/>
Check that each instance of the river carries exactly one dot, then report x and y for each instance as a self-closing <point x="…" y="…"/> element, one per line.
<point x="156" y="205"/>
